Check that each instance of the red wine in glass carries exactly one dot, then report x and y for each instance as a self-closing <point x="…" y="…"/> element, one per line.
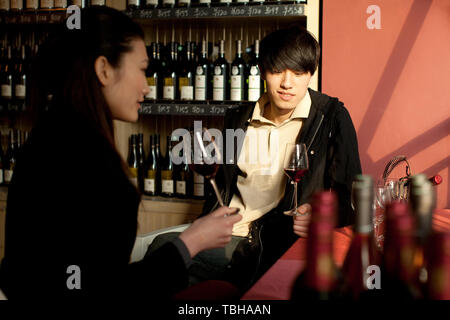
<point x="295" y="174"/>
<point x="207" y="170"/>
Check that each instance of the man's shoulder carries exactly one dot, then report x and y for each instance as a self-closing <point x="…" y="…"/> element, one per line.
<point x="328" y="105"/>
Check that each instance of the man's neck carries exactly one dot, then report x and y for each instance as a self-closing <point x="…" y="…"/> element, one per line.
<point x="276" y="115"/>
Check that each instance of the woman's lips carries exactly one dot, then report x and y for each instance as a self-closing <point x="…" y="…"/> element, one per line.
<point x="285" y="96"/>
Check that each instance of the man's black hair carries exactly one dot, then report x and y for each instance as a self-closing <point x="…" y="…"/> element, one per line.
<point x="292" y="48"/>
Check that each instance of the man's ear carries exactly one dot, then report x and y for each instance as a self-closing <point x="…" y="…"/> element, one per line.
<point x="104" y="70"/>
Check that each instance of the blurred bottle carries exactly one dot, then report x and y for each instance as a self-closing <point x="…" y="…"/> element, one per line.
<point x="319" y="280"/>
<point x="153" y="73"/>
<point x="438" y="256"/>
<point x="221" y="75"/>
<point x="422" y="202"/>
<point x="186" y="73"/>
<point x="151" y="170"/>
<point x="254" y="80"/>
<point x="203" y="75"/>
<point x="167" y="172"/>
<point x="362" y="260"/>
<point x="141" y="161"/>
<point x="170" y="88"/>
<point x="10" y="159"/>
<point x="238" y="75"/>
<point x="399" y="275"/>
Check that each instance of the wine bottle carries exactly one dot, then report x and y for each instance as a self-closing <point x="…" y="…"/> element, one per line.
<point x="168" y="3"/>
<point x="167" y="182"/>
<point x="20" y="77"/>
<point x="183" y="178"/>
<point x="202" y="75"/>
<point x="97" y="3"/>
<point x="204" y="3"/>
<point x="224" y="2"/>
<point x="186" y="74"/>
<point x="254" y="80"/>
<point x="320" y="278"/>
<point x="141" y="161"/>
<point x="153" y="73"/>
<point x="159" y="161"/>
<point x="133" y="160"/>
<point x="47" y="4"/>
<point x="133" y="4"/>
<point x="60" y="4"/>
<point x="81" y="3"/>
<point x="31" y="5"/>
<point x="2" y="159"/>
<point x="422" y="202"/>
<point x="16" y="5"/>
<point x="241" y="2"/>
<point x="184" y="3"/>
<point x="10" y="159"/>
<point x="151" y="166"/>
<point x="170" y="74"/>
<point x="6" y="79"/>
<point x="151" y="4"/>
<point x="238" y="74"/>
<point x="4" y="5"/>
<point x="438" y="255"/>
<point x="221" y="75"/>
<point x="198" y="186"/>
<point x="362" y="252"/>
<point x="398" y="270"/>
<point x="257" y="2"/>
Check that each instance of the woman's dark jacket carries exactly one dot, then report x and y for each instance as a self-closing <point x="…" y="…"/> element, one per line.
<point x="70" y="203"/>
<point x="330" y="138"/>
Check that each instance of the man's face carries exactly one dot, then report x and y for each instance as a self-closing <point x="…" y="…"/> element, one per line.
<point x="286" y="88"/>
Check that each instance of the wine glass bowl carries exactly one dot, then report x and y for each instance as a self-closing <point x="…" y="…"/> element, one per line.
<point x="295" y="166"/>
<point x="206" y="156"/>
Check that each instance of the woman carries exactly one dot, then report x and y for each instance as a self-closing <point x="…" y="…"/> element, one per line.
<point x="71" y="212"/>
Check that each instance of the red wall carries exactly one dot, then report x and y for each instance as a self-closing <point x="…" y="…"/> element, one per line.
<point x="395" y="81"/>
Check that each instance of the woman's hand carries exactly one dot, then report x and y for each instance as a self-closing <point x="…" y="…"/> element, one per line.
<point x="211" y="231"/>
<point x="301" y="221"/>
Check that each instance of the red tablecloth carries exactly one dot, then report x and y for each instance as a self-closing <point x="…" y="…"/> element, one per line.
<point x="277" y="282"/>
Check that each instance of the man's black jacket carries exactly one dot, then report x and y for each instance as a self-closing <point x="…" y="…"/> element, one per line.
<point x="330" y="138"/>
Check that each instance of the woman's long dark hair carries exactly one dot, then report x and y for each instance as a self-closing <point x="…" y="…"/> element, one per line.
<point x="64" y="67"/>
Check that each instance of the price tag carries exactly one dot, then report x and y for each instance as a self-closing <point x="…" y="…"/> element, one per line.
<point x="164" y="13"/>
<point x="164" y="109"/>
<point x="181" y="109"/>
<point x="181" y="13"/>
<point x="218" y="12"/>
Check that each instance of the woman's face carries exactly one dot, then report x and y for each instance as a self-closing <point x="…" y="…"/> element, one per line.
<point x="128" y="87"/>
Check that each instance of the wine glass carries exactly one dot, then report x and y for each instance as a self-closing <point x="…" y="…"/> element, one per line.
<point x="206" y="156"/>
<point x="295" y="165"/>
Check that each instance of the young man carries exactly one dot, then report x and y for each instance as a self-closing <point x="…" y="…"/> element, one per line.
<point x="254" y="180"/>
<point x="288" y="112"/>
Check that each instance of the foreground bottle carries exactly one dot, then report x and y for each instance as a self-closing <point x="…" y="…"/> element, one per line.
<point x="320" y="278"/>
<point x="132" y="160"/>
<point x="399" y="274"/>
<point x="362" y="258"/>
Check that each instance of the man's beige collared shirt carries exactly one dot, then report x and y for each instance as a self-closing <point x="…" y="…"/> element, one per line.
<point x="261" y="162"/>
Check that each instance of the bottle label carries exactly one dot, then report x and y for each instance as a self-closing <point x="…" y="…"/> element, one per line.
<point x="205" y="1"/>
<point x="168" y="1"/>
<point x="200" y="94"/>
<point x="8" y="175"/>
<point x="235" y="70"/>
<point x="133" y="2"/>
<point x="199" y="70"/>
<point x="149" y="185"/>
<point x="151" y="93"/>
<point x="236" y="94"/>
<point x="167" y="186"/>
<point x="60" y="3"/>
<point x="200" y="81"/>
<point x="133" y="172"/>
<point x="254" y="94"/>
<point x="48" y="4"/>
<point x="254" y="82"/>
<point x="32" y="4"/>
<point x="217" y="71"/>
<point x="200" y="86"/>
<point x="199" y="189"/>
<point x="17" y="4"/>
<point x="169" y="92"/>
<point x="242" y="1"/>
<point x="1" y="176"/>
<point x="6" y="91"/>
<point x="20" y="91"/>
<point x="184" y="1"/>
<point x="181" y="187"/>
<point x="187" y="93"/>
<point x="198" y="178"/>
<point x="225" y="1"/>
<point x="236" y="85"/>
<point x="4" y="4"/>
<point x="152" y="2"/>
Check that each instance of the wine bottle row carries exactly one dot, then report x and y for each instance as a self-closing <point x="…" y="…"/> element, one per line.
<point x="157" y="175"/>
<point x="16" y="139"/>
<point x="33" y="5"/>
<point x="151" y="4"/>
<point x="177" y="72"/>
<point x="414" y="263"/>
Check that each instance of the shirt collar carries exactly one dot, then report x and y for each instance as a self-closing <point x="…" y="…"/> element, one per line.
<point x="300" y="111"/>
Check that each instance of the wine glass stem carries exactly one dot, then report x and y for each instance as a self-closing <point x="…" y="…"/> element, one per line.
<point x="295" y="198"/>
<point x="216" y="190"/>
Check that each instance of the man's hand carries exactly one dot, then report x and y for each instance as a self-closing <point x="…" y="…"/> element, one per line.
<point x="301" y="221"/>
